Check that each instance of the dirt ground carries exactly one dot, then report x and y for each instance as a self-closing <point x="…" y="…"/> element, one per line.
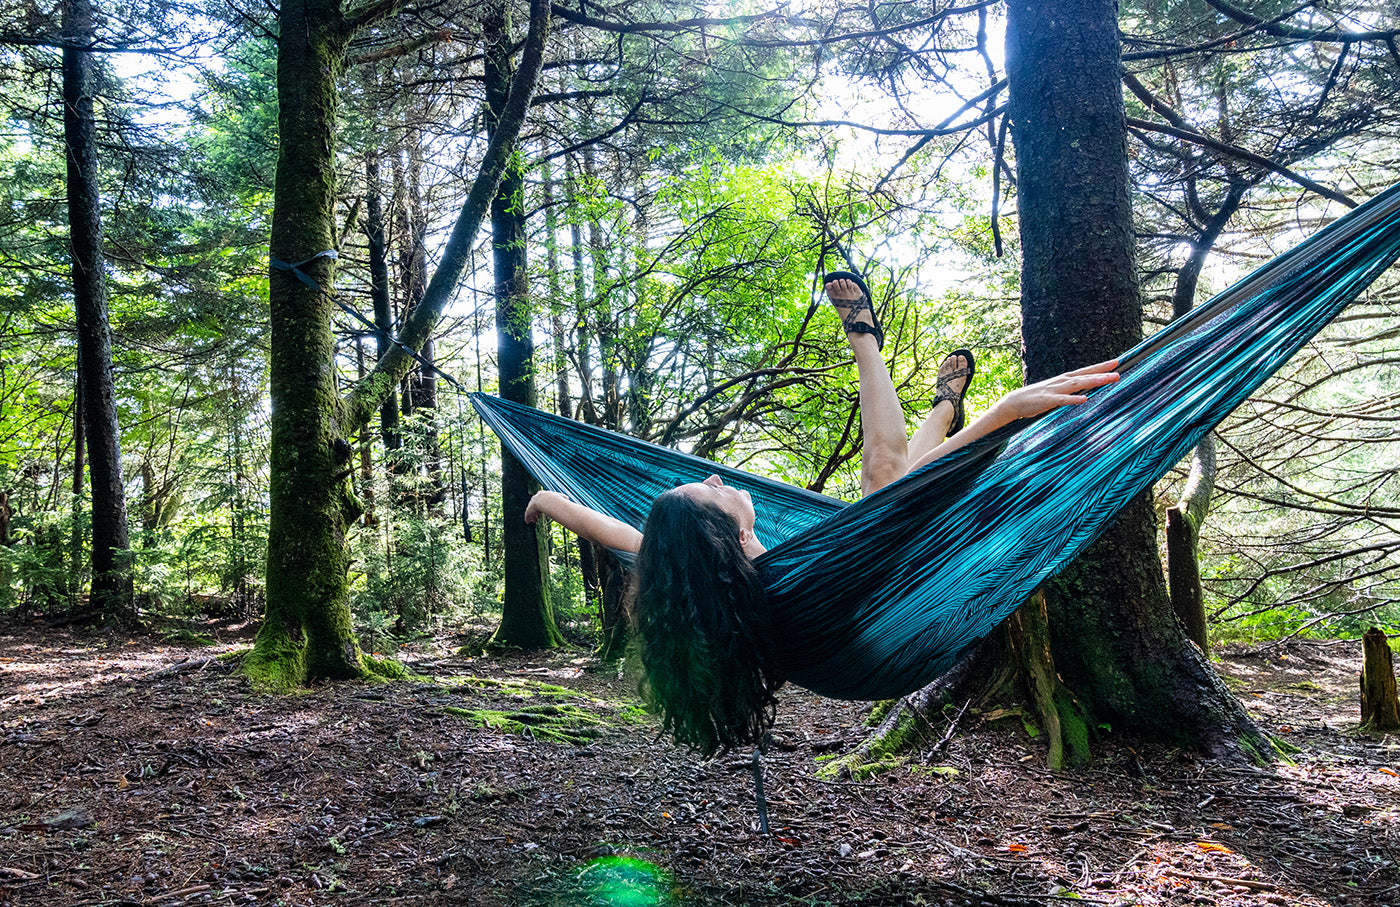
<point x="134" y="771"/>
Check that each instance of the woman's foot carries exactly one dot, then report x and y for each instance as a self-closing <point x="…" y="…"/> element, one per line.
<point x="851" y="298"/>
<point x="954" y="377"/>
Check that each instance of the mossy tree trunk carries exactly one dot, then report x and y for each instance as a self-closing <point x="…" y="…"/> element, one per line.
<point x="307" y="630"/>
<point x="1110" y="651"/>
<point x="1115" y="640"/>
<point x="307" y="634"/>
<point x="527" y="613"/>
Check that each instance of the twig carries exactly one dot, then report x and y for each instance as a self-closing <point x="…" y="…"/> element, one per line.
<point x="178" y="893"/>
<point x="1225" y="880"/>
<point x="184" y="667"/>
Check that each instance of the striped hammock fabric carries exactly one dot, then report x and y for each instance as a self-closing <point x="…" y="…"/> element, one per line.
<point x="875" y="599"/>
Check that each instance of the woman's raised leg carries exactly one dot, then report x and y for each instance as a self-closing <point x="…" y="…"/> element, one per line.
<point x="886" y="454"/>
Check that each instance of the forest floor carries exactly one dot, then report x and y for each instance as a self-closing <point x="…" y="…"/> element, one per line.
<point x="137" y="770"/>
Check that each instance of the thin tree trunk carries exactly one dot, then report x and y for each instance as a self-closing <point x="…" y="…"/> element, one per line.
<point x="600" y="311"/>
<point x="583" y="345"/>
<point x="1184" y="521"/>
<point x="527" y="617"/>
<point x="558" y="333"/>
<point x="379" y="292"/>
<point x="1183" y="553"/>
<point x="111" y="573"/>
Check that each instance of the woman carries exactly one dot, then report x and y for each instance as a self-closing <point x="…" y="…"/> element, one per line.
<point x="699" y="607"/>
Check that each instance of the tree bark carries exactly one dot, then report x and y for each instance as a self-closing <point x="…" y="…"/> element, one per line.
<point x="527" y="615"/>
<point x="1116" y="644"/>
<point x="111" y="572"/>
<point x="307" y="633"/>
<point x="1380" y="709"/>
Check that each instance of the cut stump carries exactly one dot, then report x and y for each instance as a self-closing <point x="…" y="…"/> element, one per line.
<point x="1380" y="708"/>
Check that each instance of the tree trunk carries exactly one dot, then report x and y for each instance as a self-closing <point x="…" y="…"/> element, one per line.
<point x="557" y="298"/>
<point x="1184" y="521"/>
<point x="1116" y="644"/>
<point x="527" y="616"/>
<point x="587" y="412"/>
<point x="599" y="310"/>
<point x="7" y="513"/>
<point x="307" y="633"/>
<point x="1183" y="554"/>
<point x="613" y="579"/>
<point x="111" y="572"/>
<point x="375" y="236"/>
<point x="1380" y="709"/>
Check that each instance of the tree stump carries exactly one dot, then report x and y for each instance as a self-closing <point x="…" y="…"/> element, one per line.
<point x="1380" y="708"/>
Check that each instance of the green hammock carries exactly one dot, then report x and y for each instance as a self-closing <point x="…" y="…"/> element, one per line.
<point x="875" y="599"/>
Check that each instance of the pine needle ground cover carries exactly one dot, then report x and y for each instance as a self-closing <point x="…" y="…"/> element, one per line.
<point x="143" y="770"/>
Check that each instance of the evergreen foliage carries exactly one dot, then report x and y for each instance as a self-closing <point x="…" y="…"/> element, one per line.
<point x="680" y="187"/>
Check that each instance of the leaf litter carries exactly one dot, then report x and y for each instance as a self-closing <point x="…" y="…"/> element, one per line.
<point x="140" y="771"/>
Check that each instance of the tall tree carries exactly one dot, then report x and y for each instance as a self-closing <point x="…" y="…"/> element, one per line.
<point x="111" y="576"/>
<point x="1116" y="645"/>
<point x="307" y="633"/>
<point x="527" y="616"/>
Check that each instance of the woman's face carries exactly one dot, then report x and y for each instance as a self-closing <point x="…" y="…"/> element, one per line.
<point x="733" y="501"/>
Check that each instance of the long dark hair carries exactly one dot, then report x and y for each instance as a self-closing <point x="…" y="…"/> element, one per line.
<point x="700" y="611"/>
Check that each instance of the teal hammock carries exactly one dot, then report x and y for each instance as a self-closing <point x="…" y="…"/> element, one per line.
<point x="875" y="599"/>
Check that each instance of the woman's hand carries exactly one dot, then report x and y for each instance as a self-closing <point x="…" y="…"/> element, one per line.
<point x="1062" y="390"/>
<point x="535" y="509"/>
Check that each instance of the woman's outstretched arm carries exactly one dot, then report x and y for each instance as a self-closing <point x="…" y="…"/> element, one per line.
<point x="598" y="528"/>
<point x="1026" y="402"/>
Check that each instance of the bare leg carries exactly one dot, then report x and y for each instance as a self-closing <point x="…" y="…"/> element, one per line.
<point x="935" y="428"/>
<point x="886" y="454"/>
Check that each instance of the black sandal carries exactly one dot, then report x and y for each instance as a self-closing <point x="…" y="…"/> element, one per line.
<point x="854" y="307"/>
<point x="955" y="397"/>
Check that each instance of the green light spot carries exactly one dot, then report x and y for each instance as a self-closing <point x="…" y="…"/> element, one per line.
<point x="625" y="882"/>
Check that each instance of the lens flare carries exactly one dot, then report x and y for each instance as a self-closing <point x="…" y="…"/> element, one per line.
<point x="625" y="882"/>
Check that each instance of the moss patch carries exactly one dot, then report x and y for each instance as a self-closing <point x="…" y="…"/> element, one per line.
<point x="387" y="669"/>
<point x="567" y="724"/>
<point x="275" y="669"/>
<point x="523" y="689"/>
<point x="879" y="754"/>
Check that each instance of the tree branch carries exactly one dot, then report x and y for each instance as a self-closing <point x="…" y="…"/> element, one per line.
<point x="1278" y="30"/>
<point x="366" y="395"/>
<point x="1237" y="152"/>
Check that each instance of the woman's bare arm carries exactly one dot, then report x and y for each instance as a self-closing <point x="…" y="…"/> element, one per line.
<point x="598" y="528"/>
<point x="1025" y="402"/>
